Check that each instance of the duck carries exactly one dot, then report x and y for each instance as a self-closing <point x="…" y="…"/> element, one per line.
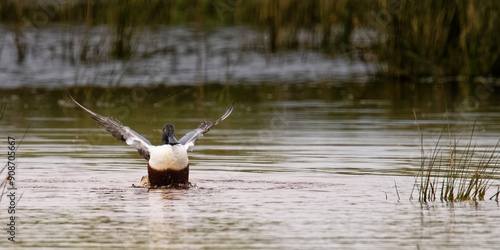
<point x="168" y="164"/>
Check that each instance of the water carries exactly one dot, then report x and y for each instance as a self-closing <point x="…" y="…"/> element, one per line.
<point x="173" y="55"/>
<point x="296" y="165"/>
<point x="291" y="171"/>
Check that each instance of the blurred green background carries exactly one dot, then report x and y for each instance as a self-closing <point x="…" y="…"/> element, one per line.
<point x="401" y="38"/>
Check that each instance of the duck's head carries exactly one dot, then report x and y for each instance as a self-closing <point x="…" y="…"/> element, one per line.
<point x="169" y="135"/>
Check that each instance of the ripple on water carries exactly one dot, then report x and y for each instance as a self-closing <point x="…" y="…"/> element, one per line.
<point x="301" y="173"/>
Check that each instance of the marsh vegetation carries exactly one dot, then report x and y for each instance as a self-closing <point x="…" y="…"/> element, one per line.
<point x="456" y="170"/>
<point x="404" y="38"/>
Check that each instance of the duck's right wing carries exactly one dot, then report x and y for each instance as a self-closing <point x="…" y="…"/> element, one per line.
<point x="190" y="138"/>
<point x="120" y="132"/>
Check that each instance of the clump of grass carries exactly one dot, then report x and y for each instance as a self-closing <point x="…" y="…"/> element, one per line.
<point x="457" y="172"/>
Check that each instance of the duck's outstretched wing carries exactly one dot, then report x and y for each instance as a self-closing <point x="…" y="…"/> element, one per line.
<point x="190" y="138"/>
<point x="120" y="132"/>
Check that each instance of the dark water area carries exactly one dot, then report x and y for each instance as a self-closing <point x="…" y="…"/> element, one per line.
<point x="318" y="153"/>
<point x="65" y="55"/>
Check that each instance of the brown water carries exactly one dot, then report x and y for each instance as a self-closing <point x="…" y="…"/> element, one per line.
<point x="295" y="166"/>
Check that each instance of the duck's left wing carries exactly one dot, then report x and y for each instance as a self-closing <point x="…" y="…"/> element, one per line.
<point x="190" y="138"/>
<point x="120" y="132"/>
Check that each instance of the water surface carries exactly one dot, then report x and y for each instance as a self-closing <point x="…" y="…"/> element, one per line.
<point x="295" y="166"/>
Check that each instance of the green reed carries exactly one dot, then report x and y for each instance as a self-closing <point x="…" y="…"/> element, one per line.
<point x="443" y="38"/>
<point x="455" y="172"/>
<point x="322" y="24"/>
<point x="409" y="38"/>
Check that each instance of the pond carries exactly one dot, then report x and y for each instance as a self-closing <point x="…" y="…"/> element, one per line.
<point x="294" y="166"/>
<point x="299" y="164"/>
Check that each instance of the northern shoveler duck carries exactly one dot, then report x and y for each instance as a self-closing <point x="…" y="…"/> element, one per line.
<point x="168" y="164"/>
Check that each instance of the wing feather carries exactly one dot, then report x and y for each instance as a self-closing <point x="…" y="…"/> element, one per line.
<point x="120" y="132"/>
<point x="190" y="138"/>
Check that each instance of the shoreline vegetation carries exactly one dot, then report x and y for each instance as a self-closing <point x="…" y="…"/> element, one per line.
<point x="405" y="39"/>
<point x="454" y="171"/>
